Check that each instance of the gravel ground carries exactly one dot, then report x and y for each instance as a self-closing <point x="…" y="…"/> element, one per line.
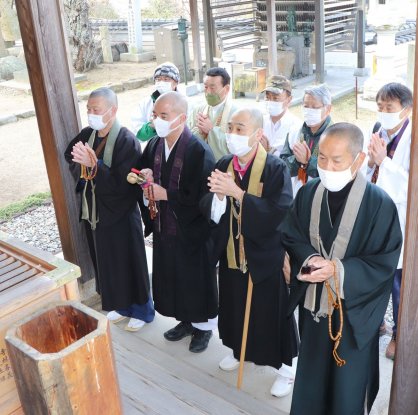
<point x="38" y="227"/>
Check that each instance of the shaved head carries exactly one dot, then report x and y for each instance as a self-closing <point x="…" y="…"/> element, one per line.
<point x="347" y="132"/>
<point x="253" y="117"/>
<point x="176" y="101"/>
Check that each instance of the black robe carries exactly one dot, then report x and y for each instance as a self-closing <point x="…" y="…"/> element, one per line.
<point x="272" y="338"/>
<point x="322" y="388"/>
<point x="117" y="245"/>
<point x="184" y="284"/>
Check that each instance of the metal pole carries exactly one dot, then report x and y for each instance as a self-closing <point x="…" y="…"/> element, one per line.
<point x="320" y="41"/>
<point x="271" y="36"/>
<point x="183" y="41"/>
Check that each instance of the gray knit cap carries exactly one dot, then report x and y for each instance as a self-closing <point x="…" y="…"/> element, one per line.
<point x="167" y="69"/>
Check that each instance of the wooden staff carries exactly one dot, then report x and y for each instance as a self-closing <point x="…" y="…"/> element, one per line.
<point x="245" y="331"/>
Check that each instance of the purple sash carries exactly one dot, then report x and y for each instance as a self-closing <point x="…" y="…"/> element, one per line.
<point x="396" y="140"/>
<point x="170" y="220"/>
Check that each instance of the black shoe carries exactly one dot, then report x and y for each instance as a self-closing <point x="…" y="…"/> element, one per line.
<point x="200" y="340"/>
<point x="177" y="333"/>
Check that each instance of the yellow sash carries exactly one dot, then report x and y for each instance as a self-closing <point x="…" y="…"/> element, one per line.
<point x="255" y="188"/>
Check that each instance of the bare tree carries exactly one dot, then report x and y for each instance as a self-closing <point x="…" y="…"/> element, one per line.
<point x="84" y="50"/>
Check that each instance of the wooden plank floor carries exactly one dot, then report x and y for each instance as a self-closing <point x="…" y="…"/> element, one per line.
<point x="164" y="378"/>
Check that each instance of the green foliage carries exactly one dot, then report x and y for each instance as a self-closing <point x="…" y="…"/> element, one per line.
<point x="161" y="9"/>
<point x="17" y="208"/>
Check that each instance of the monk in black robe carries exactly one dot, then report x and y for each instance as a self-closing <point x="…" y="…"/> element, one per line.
<point x="110" y="211"/>
<point x="344" y="240"/>
<point x="250" y="193"/>
<point x="184" y="284"/>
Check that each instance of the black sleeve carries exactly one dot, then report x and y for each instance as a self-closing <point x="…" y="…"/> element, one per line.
<point x="261" y="216"/>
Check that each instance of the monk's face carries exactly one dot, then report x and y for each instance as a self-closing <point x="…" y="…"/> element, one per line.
<point x="240" y="123"/>
<point x="335" y="155"/>
<point x="100" y="106"/>
<point x="166" y="109"/>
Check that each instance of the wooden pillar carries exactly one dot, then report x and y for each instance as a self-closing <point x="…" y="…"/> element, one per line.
<point x="51" y="78"/>
<point x="208" y="28"/>
<point x="319" y="28"/>
<point x="404" y="397"/>
<point x="197" y="52"/>
<point x="271" y="36"/>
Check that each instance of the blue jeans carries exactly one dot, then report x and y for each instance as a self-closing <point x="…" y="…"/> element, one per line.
<point x="144" y="312"/>
<point x="396" y="294"/>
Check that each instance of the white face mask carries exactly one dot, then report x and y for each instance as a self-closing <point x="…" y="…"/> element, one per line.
<point x="274" y="108"/>
<point x="96" y="121"/>
<point x="312" y="116"/>
<point x="163" y="86"/>
<point x="162" y="127"/>
<point x="238" y="144"/>
<point x="334" y="181"/>
<point x="389" y="120"/>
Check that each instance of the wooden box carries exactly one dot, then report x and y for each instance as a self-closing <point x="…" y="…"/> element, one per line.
<point x="250" y="80"/>
<point x="29" y="279"/>
<point x="63" y="362"/>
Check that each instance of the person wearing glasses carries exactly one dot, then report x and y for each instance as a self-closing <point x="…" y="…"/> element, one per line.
<point x="301" y="153"/>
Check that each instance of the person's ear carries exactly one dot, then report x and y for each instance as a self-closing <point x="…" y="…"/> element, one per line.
<point x="227" y="88"/>
<point x="259" y="134"/>
<point x="358" y="163"/>
<point x="112" y="112"/>
<point x="406" y="112"/>
<point x="328" y="109"/>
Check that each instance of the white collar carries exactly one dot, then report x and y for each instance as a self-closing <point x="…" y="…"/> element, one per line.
<point x="168" y="150"/>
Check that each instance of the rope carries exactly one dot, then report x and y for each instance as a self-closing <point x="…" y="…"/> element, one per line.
<point x="337" y="305"/>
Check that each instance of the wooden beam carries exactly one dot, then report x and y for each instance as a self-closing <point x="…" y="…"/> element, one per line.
<point x="197" y="52"/>
<point x="319" y="27"/>
<point x="208" y="28"/>
<point x="271" y="36"/>
<point x="404" y="397"/>
<point x="51" y="78"/>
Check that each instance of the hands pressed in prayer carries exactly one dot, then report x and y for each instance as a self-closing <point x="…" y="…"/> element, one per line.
<point x="223" y="185"/>
<point x="204" y="123"/>
<point x="265" y="143"/>
<point x="84" y="154"/>
<point x="302" y="152"/>
<point x="377" y="150"/>
<point x="324" y="271"/>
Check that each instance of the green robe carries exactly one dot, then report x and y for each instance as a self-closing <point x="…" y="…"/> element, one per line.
<point x="322" y="388"/>
<point x="312" y="140"/>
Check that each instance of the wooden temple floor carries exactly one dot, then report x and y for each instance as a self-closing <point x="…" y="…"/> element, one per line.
<point x="158" y="377"/>
<point x="164" y="378"/>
